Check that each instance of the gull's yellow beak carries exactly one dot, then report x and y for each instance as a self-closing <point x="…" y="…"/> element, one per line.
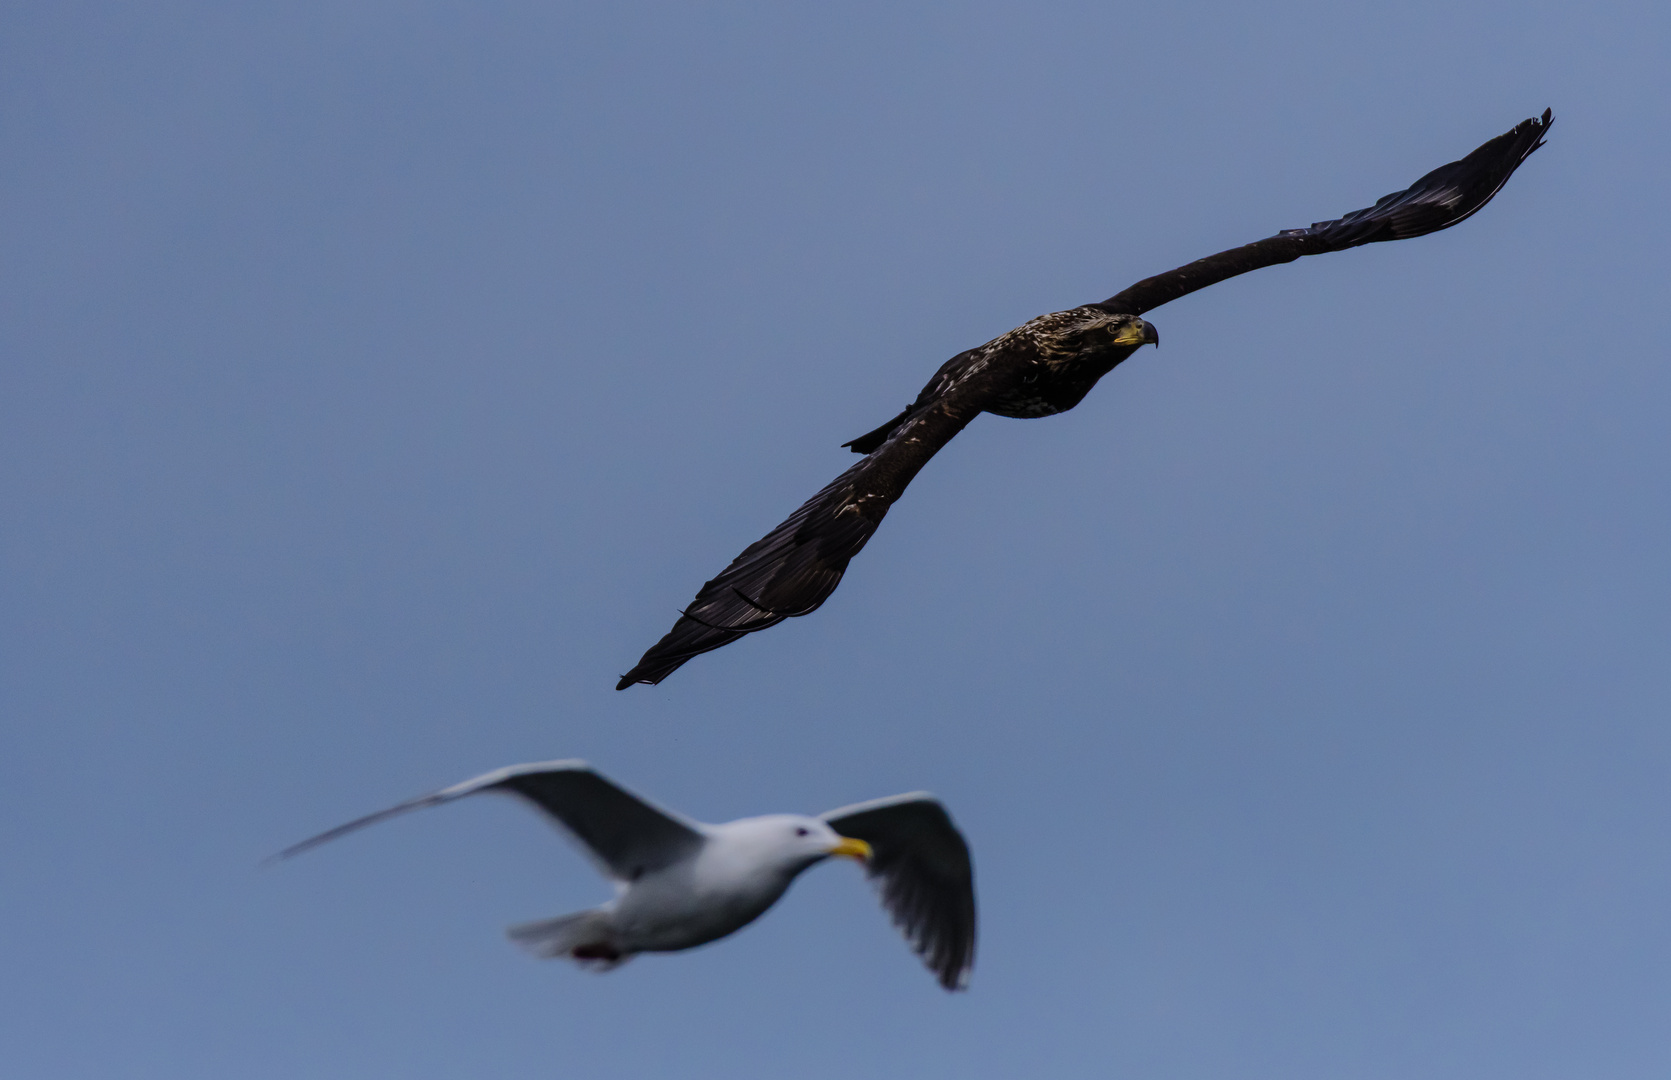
<point x="853" y="849"/>
<point x="1137" y="332"/>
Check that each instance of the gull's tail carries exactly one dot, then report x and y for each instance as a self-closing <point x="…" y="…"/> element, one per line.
<point x="586" y="937"/>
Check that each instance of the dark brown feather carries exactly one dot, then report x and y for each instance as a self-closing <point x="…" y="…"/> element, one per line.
<point x="1442" y="198"/>
<point x="795" y="567"/>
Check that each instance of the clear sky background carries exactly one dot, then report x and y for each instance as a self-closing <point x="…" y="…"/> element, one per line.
<point x="380" y="378"/>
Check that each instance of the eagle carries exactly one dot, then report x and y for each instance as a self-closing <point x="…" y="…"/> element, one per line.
<point x="1042" y="367"/>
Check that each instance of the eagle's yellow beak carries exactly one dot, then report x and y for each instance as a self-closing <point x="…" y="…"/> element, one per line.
<point x="853" y="849"/>
<point x="1138" y="332"/>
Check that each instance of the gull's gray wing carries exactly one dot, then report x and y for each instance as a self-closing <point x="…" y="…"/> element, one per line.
<point x="626" y="836"/>
<point x="921" y="866"/>
<point x="1437" y="201"/>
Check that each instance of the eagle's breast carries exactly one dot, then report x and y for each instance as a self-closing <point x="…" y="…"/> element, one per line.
<point x="1045" y="366"/>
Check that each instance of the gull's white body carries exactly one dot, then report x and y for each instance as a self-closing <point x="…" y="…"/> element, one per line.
<point x="740" y="871"/>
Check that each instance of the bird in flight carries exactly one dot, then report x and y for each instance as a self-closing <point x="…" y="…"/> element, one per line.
<point x="1042" y="367"/>
<point x="680" y="883"/>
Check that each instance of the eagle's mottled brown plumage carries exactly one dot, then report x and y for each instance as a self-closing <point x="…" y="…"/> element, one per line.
<point x="1044" y="366"/>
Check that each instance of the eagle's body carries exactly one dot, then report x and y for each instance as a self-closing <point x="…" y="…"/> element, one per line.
<point x="1046" y="365"/>
<point x="1043" y="367"/>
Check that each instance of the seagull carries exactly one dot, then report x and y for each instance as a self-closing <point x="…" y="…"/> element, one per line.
<point x="1043" y="367"/>
<point x="680" y="883"/>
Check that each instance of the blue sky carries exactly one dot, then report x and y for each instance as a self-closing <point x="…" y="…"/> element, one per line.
<point x="377" y="380"/>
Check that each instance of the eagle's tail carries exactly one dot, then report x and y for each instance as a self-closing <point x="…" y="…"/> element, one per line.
<point x="872" y="440"/>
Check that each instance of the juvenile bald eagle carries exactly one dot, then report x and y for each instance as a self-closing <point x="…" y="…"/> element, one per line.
<point x="1040" y="368"/>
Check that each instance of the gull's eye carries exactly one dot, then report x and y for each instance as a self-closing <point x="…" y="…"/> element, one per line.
<point x="800" y="830"/>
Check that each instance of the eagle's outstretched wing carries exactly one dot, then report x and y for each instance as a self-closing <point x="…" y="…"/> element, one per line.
<point x="1437" y="201"/>
<point x="795" y="567"/>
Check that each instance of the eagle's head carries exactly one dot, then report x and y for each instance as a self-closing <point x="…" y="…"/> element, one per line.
<point x="1095" y="331"/>
<point x="1129" y="331"/>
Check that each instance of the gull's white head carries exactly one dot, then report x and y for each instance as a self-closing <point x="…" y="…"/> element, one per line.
<point x="789" y="843"/>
